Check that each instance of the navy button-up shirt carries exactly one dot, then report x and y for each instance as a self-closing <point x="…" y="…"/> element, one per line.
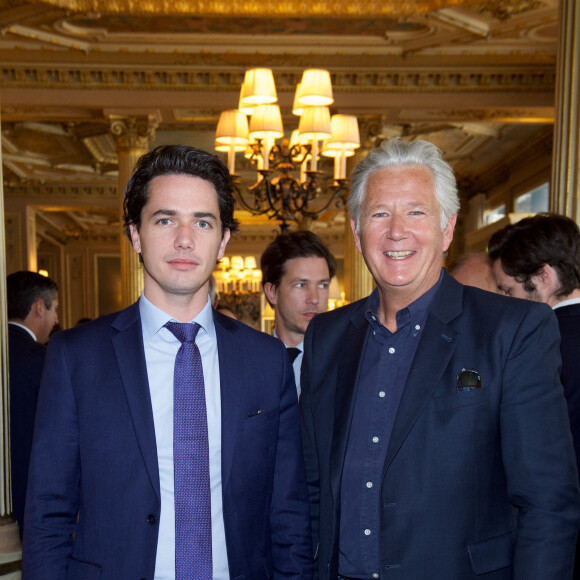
<point x="386" y="363"/>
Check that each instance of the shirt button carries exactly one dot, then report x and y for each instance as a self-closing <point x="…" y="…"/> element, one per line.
<point x="374" y="318"/>
<point x="417" y="327"/>
<point x="151" y="519"/>
<point x="375" y="439"/>
<point x="391" y="350"/>
<point x="369" y="484"/>
<point x="375" y="575"/>
<point x="382" y="394"/>
<point x="367" y="532"/>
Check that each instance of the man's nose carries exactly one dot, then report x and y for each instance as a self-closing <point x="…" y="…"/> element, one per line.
<point x="184" y="237"/>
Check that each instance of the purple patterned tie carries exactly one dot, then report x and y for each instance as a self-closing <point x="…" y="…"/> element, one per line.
<point x="190" y="460"/>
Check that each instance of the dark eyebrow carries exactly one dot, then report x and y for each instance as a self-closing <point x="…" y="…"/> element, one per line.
<point x="171" y="212"/>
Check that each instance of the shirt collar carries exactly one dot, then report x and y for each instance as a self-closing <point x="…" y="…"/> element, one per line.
<point x="298" y="346"/>
<point x="416" y="312"/>
<point x="153" y="318"/>
<point x="24" y="327"/>
<point x="568" y="302"/>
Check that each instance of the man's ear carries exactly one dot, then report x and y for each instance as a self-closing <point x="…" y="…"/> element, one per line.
<point x="135" y="239"/>
<point x="355" y="234"/>
<point x="546" y="279"/>
<point x="270" y="292"/>
<point x="38" y="308"/>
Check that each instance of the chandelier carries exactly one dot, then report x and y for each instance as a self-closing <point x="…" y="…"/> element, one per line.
<point x="289" y="187"/>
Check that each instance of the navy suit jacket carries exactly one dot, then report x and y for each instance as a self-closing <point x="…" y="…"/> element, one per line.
<point x="26" y="359"/>
<point x="476" y="484"/>
<point x="569" y="323"/>
<point x="94" y="454"/>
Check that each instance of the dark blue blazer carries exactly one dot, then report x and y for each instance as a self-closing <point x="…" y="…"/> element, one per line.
<point x="94" y="454"/>
<point x="569" y="323"/>
<point x="476" y="484"/>
<point x="26" y="360"/>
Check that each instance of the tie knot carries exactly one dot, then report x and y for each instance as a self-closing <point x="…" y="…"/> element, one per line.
<point x="293" y="353"/>
<point x="183" y="331"/>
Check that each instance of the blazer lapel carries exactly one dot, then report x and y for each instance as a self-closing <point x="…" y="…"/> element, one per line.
<point x="232" y="371"/>
<point x="350" y="360"/>
<point x="431" y="359"/>
<point x="128" y="345"/>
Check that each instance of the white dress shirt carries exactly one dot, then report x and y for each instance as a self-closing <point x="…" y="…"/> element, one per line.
<point x="161" y="348"/>
<point x="297" y="364"/>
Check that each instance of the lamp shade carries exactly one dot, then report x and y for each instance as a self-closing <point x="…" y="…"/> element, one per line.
<point x="223" y="148"/>
<point x="344" y="133"/>
<point x="315" y="89"/>
<point x="237" y="263"/>
<point x="314" y="124"/>
<point x="266" y="122"/>
<point x="258" y="87"/>
<point x="232" y="129"/>
<point x="297" y="107"/>
<point x="245" y="108"/>
<point x="327" y="152"/>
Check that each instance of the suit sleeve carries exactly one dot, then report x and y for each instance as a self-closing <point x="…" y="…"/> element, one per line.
<point x="290" y="521"/>
<point x="308" y="440"/>
<point x="53" y="485"/>
<point x="537" y="450"/>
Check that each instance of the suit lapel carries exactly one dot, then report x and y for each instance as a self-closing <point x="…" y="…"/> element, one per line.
<point x="431" y="359"/>
<point x="350" y="360"/>
<point x="128" y="346"/>
<point x="232" y="371"/>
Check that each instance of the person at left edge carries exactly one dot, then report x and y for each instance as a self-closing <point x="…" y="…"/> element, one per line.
<point x="101" y="489"/>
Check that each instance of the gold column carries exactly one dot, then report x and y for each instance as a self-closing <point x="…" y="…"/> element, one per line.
<point x="358" y="281"/>
<point x="133" y="135"/>
<point x="565" y="186"/>
<point x="5" y="476"/>
<point x="10" y="550"/>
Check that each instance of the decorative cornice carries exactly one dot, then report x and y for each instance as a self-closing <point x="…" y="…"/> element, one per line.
<point x="539" y="78"/>
<point x="82" y="193"/>
<point x="259" y="8"/>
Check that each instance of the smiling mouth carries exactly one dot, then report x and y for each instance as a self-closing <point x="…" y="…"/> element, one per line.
<point x="399" y="255"/>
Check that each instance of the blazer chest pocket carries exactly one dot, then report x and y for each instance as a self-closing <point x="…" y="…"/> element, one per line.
<point x="461" y="399"/>
<point x="260" y="419"/>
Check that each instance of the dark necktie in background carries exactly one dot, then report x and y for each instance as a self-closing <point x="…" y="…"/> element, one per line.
<point x="293" y="352"/>
<point x="193" y="558"/>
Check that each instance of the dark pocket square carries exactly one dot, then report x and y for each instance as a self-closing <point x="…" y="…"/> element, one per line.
<point x="468" y="380"/>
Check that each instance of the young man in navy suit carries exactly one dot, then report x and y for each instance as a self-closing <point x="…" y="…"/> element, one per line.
<point x="32" y="302"/>
<point x="538" y="258"/>
<point x="436" y="435"/>
<point x="104" y="476"/>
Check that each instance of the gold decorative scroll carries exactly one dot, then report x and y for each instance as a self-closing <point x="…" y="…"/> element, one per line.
<point x="261" y="8"/>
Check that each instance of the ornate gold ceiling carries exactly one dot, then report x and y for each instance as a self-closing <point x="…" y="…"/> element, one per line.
<point x="263" y="8"/>
<point x="475" y="77"/>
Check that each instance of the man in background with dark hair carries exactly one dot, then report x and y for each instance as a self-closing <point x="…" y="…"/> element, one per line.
<point x="296" y="272"/>
<point x="32" y="314"/>
<point x="167" y="440"/>
<point x="538" y="258"/>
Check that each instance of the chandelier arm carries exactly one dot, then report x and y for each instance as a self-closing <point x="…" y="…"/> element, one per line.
<point x="339" y="197"/>
<point x="253" y="210"/>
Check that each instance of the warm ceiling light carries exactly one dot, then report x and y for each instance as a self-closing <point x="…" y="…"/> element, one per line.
<point x="237" y="263"/>
<point x="232" y="128"/>
<point x="315" y="88"/>
<point x="314" y="124"/>
<point x="297" y="107"/>
<point x="258" y="87"/>
<point x="344" y="132"/>
<point x="266" y="122"/>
